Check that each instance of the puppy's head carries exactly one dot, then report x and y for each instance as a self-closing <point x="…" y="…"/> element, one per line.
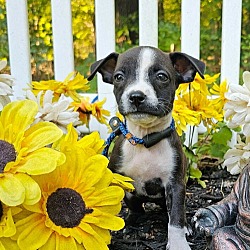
<point x="145" y="80"/>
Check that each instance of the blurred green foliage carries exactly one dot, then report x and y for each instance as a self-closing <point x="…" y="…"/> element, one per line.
<point x="3" y="31"/>
<point x="210" y="31"/>
<point x="211" y="144"/>
<point x="41" y="39"/>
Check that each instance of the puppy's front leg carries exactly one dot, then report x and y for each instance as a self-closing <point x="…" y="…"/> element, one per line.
<point x="135" y="207"/>
<point x="176" y="227"/>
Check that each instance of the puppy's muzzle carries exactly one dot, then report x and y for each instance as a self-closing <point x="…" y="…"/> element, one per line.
<point x="137" y="98"/>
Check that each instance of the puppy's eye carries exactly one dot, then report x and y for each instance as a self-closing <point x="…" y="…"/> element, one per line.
<point x="163" y="77"/>
<point x="119" y="77"/>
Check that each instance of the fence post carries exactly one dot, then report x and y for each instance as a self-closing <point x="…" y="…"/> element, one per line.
<point x="148" y="23"/>
<point x="230" y="45"/>
<point x="231" y="39"/>
<point x="190" y="44"/>
<point x="190" y="27"/>
<point x="62" y="38"/>
<point x="19" y="44"/>
<point x="105" y="44"/>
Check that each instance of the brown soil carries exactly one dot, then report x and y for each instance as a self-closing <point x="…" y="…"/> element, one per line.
<point x="150" y="233"/>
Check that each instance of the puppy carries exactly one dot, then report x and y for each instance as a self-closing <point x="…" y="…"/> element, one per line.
<point x="145" y="80"/>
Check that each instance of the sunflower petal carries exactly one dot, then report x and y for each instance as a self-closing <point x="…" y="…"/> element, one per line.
<point x="124" y="182"/>
<point x="32" y="189"/>
<point x="8" y="243"/>
<point x="65" y="243"/>
<point x="12" y="192"/>
<point x="34" y="235"/>
<point x="91" y="240"/>
<point x="22" y="219"/>
<point x="20" y="114"/>
<point x="40" y="135"/>
<point x="2" y="246"/>
<point x="106" y="180"/>
<point x="35" y="208"/>
<point x="50" y="244"/>
<point x="104" y="220"/>
<point x="111" y="209"/>
<point x="93" y="141"/>
<point x="111" y="195"/>
<point x="41" y="161"/>
<point x="104" y="233"/>
<point x="80" y="247"/>
<point x="90" y="172"/>
<point x="76" y="233"/>
<point x="9" y="229"/>
<point x="71" y="137"/>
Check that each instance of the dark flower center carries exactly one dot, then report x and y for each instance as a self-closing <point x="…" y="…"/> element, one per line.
<point x="84" y="112"/>
<point x="66" y="207"/>
<point x="7" y="154"/>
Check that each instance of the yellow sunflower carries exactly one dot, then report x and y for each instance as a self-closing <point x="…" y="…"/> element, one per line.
<point x="184" y="116"/>
<point x="202" y="84"/>
<point x="219" y="92"/>
<point x="68" y="87"/>
<point x="202" y="105"/>
<point x="23" y="152"/>
<point x="86" y="108"/>
<point x="77" y="209"/>
<point x="124" y="182"/>
<point x="198" y="84"/>
<point x="99" y="112"/>
<point x="89" y="145"/>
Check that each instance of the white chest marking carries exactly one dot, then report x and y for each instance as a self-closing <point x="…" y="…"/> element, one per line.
<point x="144" y="164"/>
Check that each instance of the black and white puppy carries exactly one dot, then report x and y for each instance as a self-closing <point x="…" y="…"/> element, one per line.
<point x="145" y="80"/>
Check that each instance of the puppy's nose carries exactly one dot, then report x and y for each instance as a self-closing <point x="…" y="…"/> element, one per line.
<point x="137" y="98"/>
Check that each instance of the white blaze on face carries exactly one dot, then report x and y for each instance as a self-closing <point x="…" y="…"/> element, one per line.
<point x="142" y="83"/>
<point x="146" y="59"/>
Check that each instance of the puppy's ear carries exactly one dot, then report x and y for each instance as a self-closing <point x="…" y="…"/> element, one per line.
<point x="186" y="66"/>
<point x="105" y="66"/>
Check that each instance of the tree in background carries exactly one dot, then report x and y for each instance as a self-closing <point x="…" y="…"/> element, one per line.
<point x="3" y="32"/>
<point x="41" y="39"/>
<point x="245" y="36"/>
<point x="127" y="32"/>
<point x="170" y="31"/>
<point x="41" y="33"/>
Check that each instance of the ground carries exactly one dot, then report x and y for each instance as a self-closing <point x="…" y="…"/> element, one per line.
<point x="150" y="232"/>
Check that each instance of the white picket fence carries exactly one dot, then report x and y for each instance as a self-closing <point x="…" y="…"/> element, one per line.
<point x="19" y="44"/>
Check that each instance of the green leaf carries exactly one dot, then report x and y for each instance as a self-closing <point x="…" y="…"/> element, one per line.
<point x="222" y="136"/>
<point x="202" y="183"/>
<point x="190" y="154"/>
<point x="218" y="150"/>
<point x="238" y="129"/>
<point x="195" y="172"/>
<point x="204" y="149"/>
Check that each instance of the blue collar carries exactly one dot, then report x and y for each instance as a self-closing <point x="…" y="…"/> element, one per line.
<point x="118" y="127"/>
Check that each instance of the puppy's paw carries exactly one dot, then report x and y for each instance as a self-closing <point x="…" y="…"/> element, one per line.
<point x="177" y="238"/>
<point x="178" y="245"/>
